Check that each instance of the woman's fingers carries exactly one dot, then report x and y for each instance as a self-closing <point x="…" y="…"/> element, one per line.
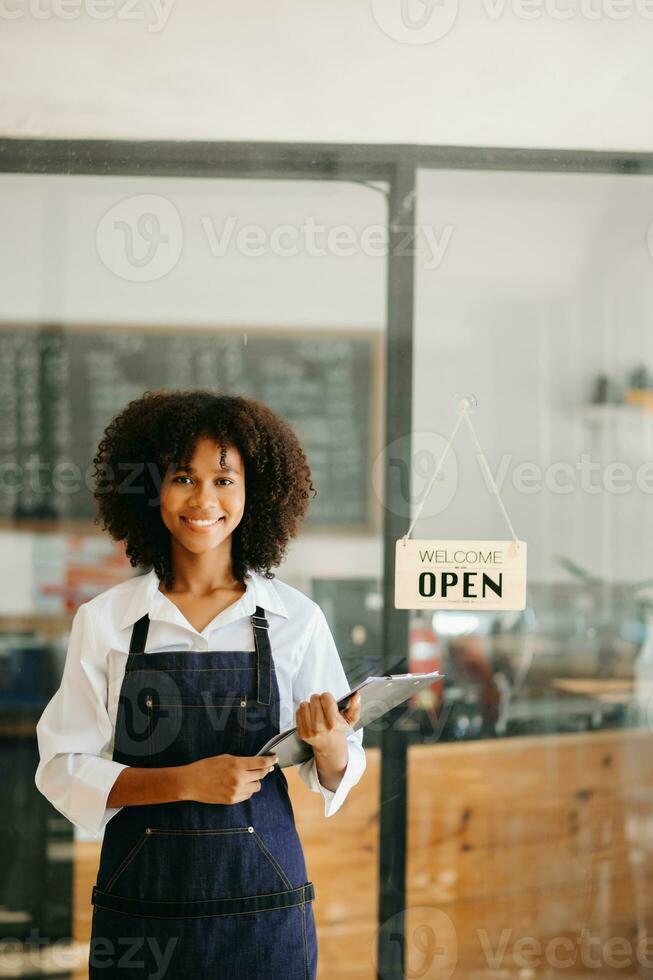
<point x="321" y="714"/>
<point x="325" y="713"/>
<point x="330" y="710"/>
<point x="255" y="762"/>
<point x="310" y="718"/>
<point x="304" y="720"/>
<point x="353" y="709"/>
<point x="318" y="719"/>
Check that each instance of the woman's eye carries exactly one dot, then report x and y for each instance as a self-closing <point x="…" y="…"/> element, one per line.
<point x="223" y="479"/>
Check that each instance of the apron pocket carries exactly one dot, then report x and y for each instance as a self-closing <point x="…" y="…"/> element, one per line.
<point x="184" y="865"/>
<point x="126" y="862"/>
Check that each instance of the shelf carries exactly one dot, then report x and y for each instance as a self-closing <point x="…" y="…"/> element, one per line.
<point x="608" y="414"/>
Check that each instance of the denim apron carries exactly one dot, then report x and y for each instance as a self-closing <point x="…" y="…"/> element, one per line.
<point x="201" y="890"/>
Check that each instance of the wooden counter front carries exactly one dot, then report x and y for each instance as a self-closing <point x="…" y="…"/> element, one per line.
<point x="511" y="843"/>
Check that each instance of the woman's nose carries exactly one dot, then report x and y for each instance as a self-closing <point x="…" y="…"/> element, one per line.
<point x="204" y="495"/>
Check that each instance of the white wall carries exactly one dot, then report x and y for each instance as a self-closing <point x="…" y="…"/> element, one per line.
<point x="539" y="73"/>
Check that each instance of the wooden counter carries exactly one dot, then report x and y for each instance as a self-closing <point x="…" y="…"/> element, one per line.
<point x="539" y="837"/>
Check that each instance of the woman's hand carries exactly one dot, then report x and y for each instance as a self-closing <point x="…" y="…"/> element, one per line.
<point x="321" y="724"/>
<point x="225" y="778"/>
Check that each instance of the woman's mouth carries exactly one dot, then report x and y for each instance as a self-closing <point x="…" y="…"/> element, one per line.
<point x="202" y="525"/>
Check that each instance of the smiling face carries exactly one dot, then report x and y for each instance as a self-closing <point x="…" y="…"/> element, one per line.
<point x="202" y="505"/>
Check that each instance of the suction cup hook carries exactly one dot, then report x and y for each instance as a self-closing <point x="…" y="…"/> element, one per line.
<point x="465" y="403"/>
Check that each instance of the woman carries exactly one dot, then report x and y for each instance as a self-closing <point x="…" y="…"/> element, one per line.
<point x="175" y="679"/>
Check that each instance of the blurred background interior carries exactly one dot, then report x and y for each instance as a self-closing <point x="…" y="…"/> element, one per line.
<point x="358" y="290"/>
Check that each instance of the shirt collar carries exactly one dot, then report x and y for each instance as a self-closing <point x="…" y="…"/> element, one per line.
<point x="146" y="598"/>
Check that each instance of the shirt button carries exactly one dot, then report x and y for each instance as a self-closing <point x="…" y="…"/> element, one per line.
<point x="250" y="830"/>
<point x="243" y="704"/>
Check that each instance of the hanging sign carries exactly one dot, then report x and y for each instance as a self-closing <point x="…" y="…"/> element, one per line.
<point x="446" y="574"/>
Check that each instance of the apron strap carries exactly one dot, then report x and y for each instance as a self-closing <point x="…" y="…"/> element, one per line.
<point x="260" y="626"/>
<point x="139" y="634"/>
<point x="263" y="655"/>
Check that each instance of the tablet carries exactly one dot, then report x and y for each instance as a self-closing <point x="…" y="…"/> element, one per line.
<point x="378" y="696"/>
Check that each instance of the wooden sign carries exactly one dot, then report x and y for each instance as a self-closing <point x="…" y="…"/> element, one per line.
<point x="460" y="574"/>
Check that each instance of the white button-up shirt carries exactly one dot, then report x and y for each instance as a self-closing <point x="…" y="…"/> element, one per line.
<point x="77" y="727"/>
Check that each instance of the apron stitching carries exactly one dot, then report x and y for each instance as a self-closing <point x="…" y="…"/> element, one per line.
<point x="177" y="670"/>
<point x="258" y="666"/>
<point x="303" y="910"/>
<point x="150" y="727"/>
<point x="273" y="861"/>
<point x="164" y="831"/>
<point x="208" y="915"/>
<point x="214" y="704"/>
<point x="203" y="901"/>
<point x="242" y="721"/>
<point x="153" y="831"/>
<point x="127" y="861"/>
<point x="255" y="630"/>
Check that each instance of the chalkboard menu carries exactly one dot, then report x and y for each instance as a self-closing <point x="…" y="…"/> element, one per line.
<point x="60" y="386"/>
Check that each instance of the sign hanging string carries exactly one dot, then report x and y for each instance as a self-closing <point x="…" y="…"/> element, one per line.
<point x="463" y="415"/>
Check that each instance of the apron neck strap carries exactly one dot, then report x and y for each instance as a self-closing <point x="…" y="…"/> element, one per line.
<point x="263" y="655"/>
<point x="260" y="626"/>
<point x="139" y="634"/>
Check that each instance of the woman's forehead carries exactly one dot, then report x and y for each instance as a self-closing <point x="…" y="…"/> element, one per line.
<point x="208" y="452"/>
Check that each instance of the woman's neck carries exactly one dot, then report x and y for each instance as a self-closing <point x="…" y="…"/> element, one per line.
<point x="202" y="575"/>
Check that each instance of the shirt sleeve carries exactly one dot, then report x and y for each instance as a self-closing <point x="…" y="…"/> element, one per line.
<point x="321" y="670"/>
<point x="74" y="731"/>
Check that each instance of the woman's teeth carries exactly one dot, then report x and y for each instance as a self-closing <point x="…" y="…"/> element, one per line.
<point x="195" y="523"/>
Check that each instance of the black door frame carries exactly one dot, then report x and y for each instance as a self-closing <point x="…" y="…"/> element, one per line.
<point x="396" y="166"/>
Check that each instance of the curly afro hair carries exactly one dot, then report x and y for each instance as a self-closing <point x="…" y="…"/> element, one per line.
<point x="159" y="430"/>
